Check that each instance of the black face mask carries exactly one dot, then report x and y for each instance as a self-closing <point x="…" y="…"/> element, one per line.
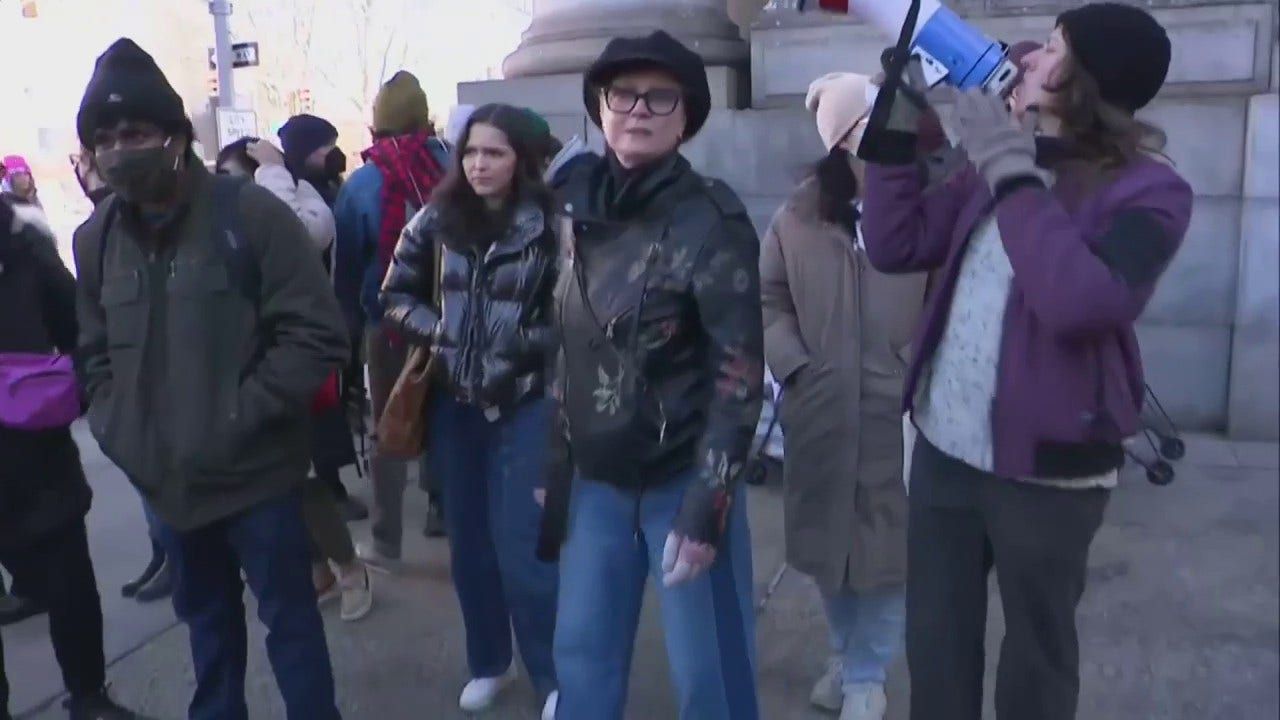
<point x="140" y="175"/>
<point x="335" y="163"/>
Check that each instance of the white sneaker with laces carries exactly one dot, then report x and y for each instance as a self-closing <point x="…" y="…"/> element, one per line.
<point x="553" y="702"/>
<point x="828" y="692"/>
<point x="480" y="693"/>
<point x="865" y="701"/>
<point x="357" y="594"/>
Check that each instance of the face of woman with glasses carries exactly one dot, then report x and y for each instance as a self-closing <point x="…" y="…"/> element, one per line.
<point x="643" y="117"/>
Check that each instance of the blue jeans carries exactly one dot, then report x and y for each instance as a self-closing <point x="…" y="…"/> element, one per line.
<point x="489" y="471"/>
<point x="709" y="622"/>
<point x="867" y="630"/>
<point x="269" y="543"/>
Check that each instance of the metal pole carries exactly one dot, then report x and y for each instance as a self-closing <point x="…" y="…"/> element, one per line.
<point x="221" y="12"/>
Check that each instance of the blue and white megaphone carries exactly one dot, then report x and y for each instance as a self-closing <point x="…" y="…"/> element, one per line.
<point x="950" y="49"/>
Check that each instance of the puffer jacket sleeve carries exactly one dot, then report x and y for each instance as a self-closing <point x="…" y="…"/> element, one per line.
<point x="58" y="287"/>
<point x="303" y="199"/>
<point x="406" y="287"/>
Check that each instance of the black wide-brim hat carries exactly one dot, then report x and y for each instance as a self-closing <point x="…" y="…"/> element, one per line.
<point x="657" y="50"/>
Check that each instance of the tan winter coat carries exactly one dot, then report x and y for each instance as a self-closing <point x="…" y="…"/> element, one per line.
<point x="836" y="336"/>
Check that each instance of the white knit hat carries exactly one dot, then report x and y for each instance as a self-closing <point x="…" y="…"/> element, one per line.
<point x="839" y="101"/>
<point x="457" y="123"/>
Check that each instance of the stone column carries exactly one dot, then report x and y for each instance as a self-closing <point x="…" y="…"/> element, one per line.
<point x="566" y="35"/>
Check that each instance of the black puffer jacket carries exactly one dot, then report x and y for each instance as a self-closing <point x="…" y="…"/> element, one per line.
<point x="42" y="484"/>
<point x="679" y="251"/>
<point x="491" y="330"/>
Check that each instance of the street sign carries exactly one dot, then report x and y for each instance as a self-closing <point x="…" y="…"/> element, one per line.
<point x="243" y="55"/>
<point x="234" y="124"/>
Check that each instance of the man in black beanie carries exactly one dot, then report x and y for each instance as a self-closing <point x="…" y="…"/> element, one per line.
<point x="311" y="153"/>
<point x="206" y="327"/>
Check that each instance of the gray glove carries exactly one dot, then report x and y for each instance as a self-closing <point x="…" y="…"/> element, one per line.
<point x="1000" y="147"/>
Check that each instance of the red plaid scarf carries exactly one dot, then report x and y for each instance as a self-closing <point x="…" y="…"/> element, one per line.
<point x="410" y="173"/>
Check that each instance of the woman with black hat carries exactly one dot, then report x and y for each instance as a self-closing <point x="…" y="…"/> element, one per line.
<point x="1027" y="377"/>
<point x="660" y="386"/>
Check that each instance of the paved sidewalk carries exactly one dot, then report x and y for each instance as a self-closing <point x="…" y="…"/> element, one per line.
<point x="1181" y="619"/>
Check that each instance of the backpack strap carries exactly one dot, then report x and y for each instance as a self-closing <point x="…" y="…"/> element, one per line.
<point x="243" y="266"/>
<point x="108" y="220"/>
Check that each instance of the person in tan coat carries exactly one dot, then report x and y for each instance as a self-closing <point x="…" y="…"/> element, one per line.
<point x="836" y="336"/>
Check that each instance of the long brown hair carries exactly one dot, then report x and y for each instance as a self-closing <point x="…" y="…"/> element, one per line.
<point x="463" y="211"/>
<point x="1101" y="133"/>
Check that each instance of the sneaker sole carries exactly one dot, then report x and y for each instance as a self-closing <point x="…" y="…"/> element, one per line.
<point x="360" y="614"/>
<point x="507" y="681"/>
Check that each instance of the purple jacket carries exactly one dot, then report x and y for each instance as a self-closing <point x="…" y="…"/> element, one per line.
<point x="1085" y="262"/>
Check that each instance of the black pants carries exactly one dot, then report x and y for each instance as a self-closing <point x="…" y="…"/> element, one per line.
<point x="57" y="572"/>
<point x="962" y="522"/>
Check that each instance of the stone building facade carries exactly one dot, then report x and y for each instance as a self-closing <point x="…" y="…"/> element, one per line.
<point x="1211" y="336"/>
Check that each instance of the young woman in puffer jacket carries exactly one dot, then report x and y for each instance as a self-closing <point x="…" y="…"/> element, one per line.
<point x="490" y="330"/>
<point x="1048" y="244"/>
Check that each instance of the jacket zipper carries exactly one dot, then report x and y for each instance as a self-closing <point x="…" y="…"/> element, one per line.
<point x="473" y="330"/>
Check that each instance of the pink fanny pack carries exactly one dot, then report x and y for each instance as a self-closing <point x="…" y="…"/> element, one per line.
<point x="38" y="392"/>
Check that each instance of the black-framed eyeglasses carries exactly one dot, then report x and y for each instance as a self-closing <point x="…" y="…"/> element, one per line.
<point x="659" y="101"/>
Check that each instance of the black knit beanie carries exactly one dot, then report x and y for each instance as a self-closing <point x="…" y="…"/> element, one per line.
<point x="302" y="135"/>
<point x="655" y="50"/>
<point x="128" y="85"/>
<point x="1122" y="47"/>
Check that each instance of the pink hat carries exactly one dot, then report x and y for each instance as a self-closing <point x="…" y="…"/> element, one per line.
<point x="16" y="164"/>
<point x="839" y="102"/>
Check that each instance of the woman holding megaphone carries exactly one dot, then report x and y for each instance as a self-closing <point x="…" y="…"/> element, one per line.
<point x="1047" y="245"/>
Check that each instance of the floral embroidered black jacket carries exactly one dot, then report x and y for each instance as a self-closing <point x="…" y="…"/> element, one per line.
<point x="644" y="402"/>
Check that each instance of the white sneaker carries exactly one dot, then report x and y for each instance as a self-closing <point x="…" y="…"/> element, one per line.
<point x="549" y="709"/>
<point x="357" y="594"/>
<point x="864" y="702"/>
<point x="480" y="693"/>
<point x="828" y="692"/>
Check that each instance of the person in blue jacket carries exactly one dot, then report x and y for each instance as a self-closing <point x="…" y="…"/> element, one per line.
<point x="402" y="168"/>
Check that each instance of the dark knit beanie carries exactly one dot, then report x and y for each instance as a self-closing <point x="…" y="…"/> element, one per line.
<point x="658" y="50"/>
<point x="128" y="85"/>
<point x="302" y="135"/>
<point x="1122" y="47"/>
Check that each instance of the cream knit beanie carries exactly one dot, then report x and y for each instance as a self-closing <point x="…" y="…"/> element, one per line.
<point x="838" y="102"/>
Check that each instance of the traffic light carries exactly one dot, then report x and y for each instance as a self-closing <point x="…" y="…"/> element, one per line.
<point x="29" y="9"/>
<point x="212" y="83"/>
<point x="304" y="100"/>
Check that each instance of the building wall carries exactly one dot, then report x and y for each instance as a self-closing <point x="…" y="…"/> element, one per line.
<point x="1211" y="335"/>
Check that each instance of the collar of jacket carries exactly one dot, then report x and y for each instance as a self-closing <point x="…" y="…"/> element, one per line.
<point x="622" y="194"/>
<point x="528" y="223"/>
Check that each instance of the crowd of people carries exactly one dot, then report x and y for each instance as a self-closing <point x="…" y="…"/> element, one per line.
<point x="947" y="304"/>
